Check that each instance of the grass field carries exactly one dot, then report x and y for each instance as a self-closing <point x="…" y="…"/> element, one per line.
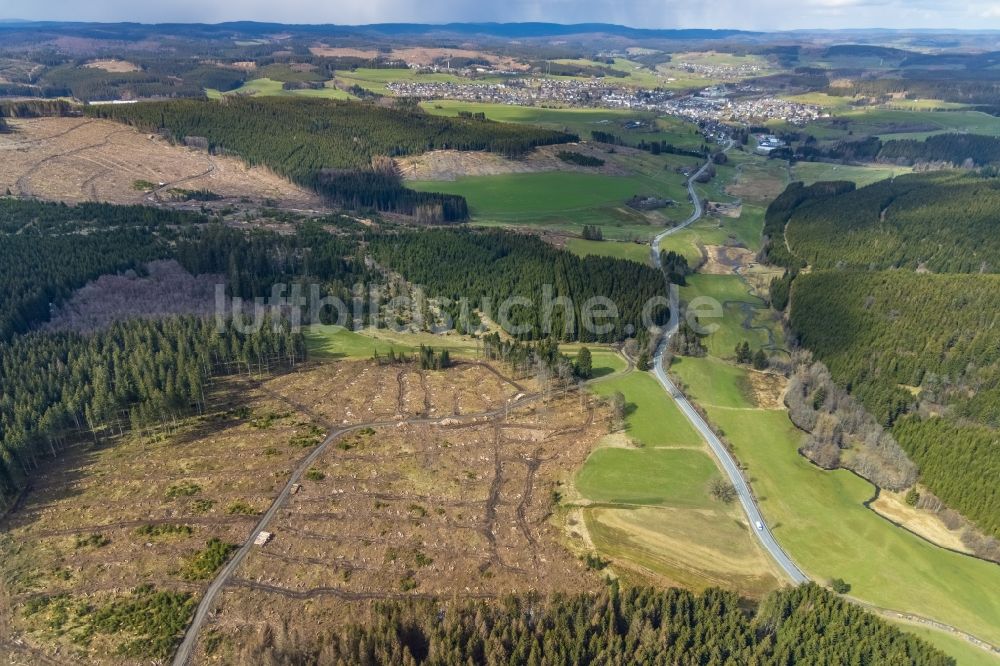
<point x="744" y="317"/>
<point x="517" y="196"/>
<point x="653" y="512"/>
<point x="964" y="653"/>
<point x="376" y="80"/>
<point x="620" y="250"/>
<point x="661" y="477"/>
<point x="892" y="124"/>
<point x="564" y="200"/>
<point x="820" y="518"/>
<point x="811" y="172"/>
<point x="271" y="88"/>
<point x="580" y="121"/>
<point x="336" y="342"/>
<point x="744" y="230"/>
<point x="653" y="419"/>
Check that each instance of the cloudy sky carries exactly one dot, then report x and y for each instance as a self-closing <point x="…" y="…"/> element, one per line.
<point x="745" y="14"/>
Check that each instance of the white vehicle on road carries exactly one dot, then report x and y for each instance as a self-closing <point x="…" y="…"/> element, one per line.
<point x="760" y="526"/>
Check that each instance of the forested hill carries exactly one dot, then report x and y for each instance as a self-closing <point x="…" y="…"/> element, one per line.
<point x="804" y="625"/>
<point x="945" y="222"/>
<point x="332" y="146"/>
<point x="902" y="303"/>
<point x="958" y="150"/>
<point x="488" y="267"/>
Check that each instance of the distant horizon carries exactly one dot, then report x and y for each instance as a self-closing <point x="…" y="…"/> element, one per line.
<point x="767" y="16"/>
<point x="447" y="24"/>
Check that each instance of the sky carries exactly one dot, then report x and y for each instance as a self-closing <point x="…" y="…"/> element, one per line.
<point x="742" y="14"/>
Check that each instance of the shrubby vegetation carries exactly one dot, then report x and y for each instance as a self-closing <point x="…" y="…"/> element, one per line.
<point x="333" y="146"/>
<point x="637" y="625"/>
<point x="841" y="432"/>
<point x="573" y="157"/>
<point x="149" y="622"/>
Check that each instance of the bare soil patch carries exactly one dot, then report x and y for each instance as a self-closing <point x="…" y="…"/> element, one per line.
<point x="452" y="164"/>
<point x="766" y="389"/>
<point x="83" y="159"/>
<point x="342" y="52"/>
<point x="114" y="66"/>
<point x="760" y="186"/>
<point x="919" y="521"/>
<point x="447" y="494"/>
<point x="725" y="260"/>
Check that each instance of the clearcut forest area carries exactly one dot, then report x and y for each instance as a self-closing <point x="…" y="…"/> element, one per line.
<point x="498" y="343"/>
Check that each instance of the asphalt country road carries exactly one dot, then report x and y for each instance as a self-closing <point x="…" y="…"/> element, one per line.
<point x="757" y="523"/>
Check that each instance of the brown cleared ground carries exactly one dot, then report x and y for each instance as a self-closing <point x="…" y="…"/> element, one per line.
<point x="418" y="55"/>
<point x="446" y="494"/>
<point x="919" y="521"/>
<point x="113" y="66"/>
<point x="83" y="159"/>
<point x="452" y="164"/>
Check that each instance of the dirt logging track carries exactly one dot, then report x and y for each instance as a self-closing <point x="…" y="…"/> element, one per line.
<point x="85" y="159"/>
<point x="453" y="499"/>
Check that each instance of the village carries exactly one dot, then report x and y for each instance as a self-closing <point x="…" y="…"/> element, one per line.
<point x="716" y="103"/>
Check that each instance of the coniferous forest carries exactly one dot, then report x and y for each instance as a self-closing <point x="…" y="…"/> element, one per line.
<point x="805" y="625"/>
<point x="902" y="303"/>
<point x="488" y="267"/>
<point x="334" y="147"/>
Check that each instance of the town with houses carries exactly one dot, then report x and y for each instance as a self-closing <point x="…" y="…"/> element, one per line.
<point x="716" y="103"/>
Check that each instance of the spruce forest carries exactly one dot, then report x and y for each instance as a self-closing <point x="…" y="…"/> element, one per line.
<point x="902" y="303"/>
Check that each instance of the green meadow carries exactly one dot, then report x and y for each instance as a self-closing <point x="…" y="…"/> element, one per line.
<point x="653" y="420"/>
<point x="671" y="477"/>
<point x="811" y="172"/>
<point x="820" y="518"/>
<point x="271" y="88"/>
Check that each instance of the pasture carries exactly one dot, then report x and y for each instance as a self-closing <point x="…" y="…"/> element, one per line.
<point x="821" y="520"/>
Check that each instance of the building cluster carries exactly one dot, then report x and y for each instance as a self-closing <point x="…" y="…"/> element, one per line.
<point x="768" y="143"/>
<point x="744" y="110"/>
<point x="536" y="91"/>
<point x="714" y="104"/>
<point x="739" y="71"/>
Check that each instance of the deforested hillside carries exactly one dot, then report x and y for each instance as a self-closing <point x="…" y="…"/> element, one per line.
<point x="331" y="146"/>
<point x="941" y="222"/>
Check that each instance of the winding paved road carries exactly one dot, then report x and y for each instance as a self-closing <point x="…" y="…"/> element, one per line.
<point x="757" y="523"/>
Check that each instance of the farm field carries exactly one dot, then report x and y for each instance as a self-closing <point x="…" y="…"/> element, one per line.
<point x="271" y="88"/>
<point x="820" y="518"/>
<point x="811" y="172"/>
<point x="83" y="159"/>
<point x="581" y="121"/>
<point x="638" y="252"/>
<point x="645" y="503"/>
